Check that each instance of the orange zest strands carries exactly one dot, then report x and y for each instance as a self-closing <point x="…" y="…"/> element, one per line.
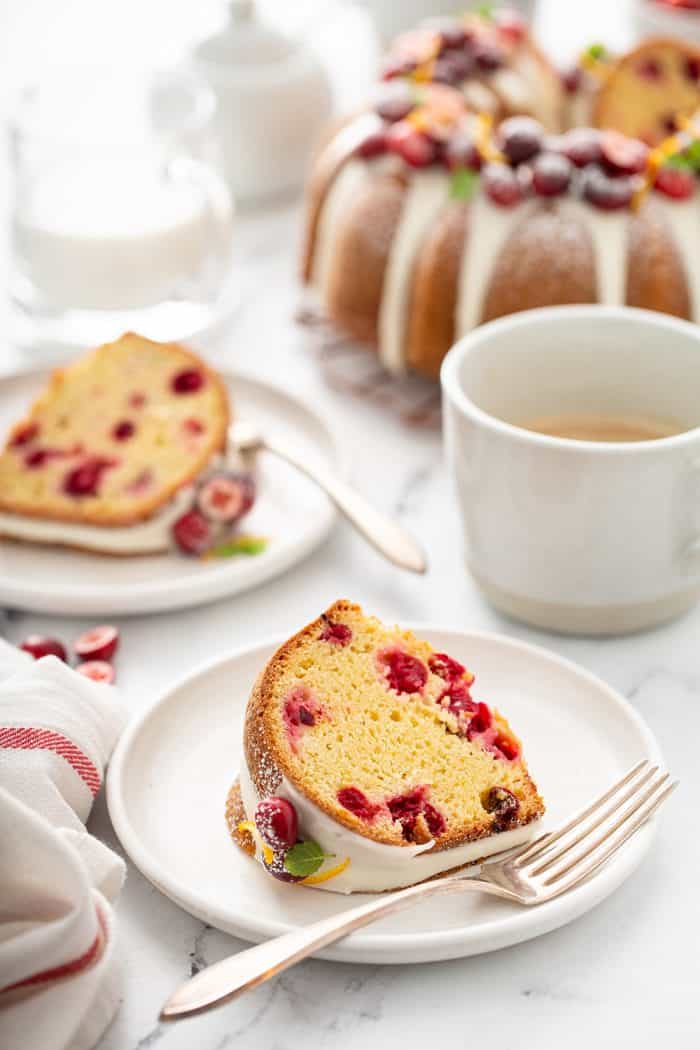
<point x="483" y="139"/>
<point x="324" y="876"/>
<point x="249" y="827"/>
<point x="687" y="133"/>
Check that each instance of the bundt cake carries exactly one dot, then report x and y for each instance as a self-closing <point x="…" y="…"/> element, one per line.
<point x="107" y="457"/>
<point x="368" y="763"/>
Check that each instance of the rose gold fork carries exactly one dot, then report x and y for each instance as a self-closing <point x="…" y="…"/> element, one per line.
<point x="536" y="872"/>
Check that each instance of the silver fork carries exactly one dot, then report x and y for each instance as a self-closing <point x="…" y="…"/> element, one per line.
<point x="536" y="872"/>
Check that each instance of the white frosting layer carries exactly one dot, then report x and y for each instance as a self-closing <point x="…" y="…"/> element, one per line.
<point x="609" y="232"/>
<point x="146" y="537"/>
<point x="425" y="197"/>
<point x="375" y="867"/>
<point x="683" y="220"/>
<point x="339" y="196"/>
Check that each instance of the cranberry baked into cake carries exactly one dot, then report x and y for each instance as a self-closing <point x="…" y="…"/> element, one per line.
<point x="369" y="763"/>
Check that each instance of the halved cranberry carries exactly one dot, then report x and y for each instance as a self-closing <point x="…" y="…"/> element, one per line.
<point x="649" y="69"/>
<point x="406" y="809"/>
<point x="276" y="820"/>
<point x="413" y="146"/>
<point x="551" y="174"/>
<point x="628" y="156"/>
<point x="97" y="671"/>
<point x="503" y="804"/>
<point x="24" y="434"/>
<point x="354" y="800"/>
<point x="480" y="721"/>
<point x="502" y="185"/>
<point x="373" y="145"/>
<point x="395" y="101"/>
<point x="457" y="699"/>
<point x="192" y="532"/>
<point x="511" y="25"/>
<point x="336" y="633"/>
<point x="226" y="497"/>
<point x="582" y="146"/>
<point x="403" y="673"/>
<point x="434" y="819"/>
<point x="99" y="643"/>
<point x="188" y="381"/>
<point x="446" y="667"/>
<point x="123" y="430"/>
<point x="84" y="480"/>
<point x="675" y="182"/>
<point x="520" y="138"/>
<point x="505" y="747"/>
<point x="461" y="152"/>
<point x="38" y="645"/>
<point x="604" y="191"/>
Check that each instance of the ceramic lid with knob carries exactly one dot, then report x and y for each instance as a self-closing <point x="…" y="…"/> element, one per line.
<point x="273" y="98"/>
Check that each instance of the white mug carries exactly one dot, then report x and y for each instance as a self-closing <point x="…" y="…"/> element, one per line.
<point x="578" y="536"/>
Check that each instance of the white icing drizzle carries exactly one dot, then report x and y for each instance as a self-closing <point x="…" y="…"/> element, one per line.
<point x="489" y="228"/>
<point x="344" y="186"/>
<point x="683" y="220"/>
<point x="425" y="197"/>
<point x="609" y="233"/>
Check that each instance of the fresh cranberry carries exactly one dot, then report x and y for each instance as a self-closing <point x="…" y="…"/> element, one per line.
<point x="582" y="146"/>
<point x="551" y="174"/>
<point x="226" y="497"/>
<point x="137" y="400"/>
<point x="24" y="434"/>
<point x="276" y="868"/>
<point x="692" y="69"/>
<point x="511" y="25"/>
<point x="604" y="191"/>
<point x="502" y="185"/>
<point x="445" y="666"/>
<point x="354" y="800"/>
<point x="414" y="147"/>
<point x="488" y="56"/>
<point x="100" y="643"/>
<point x="336" y="633"/>
<point x="571" y="79"/>
<point x="434" y="819"/>
<point x="97" y="671"/>
<point x="620" y="153"/>
<point x="37" y="458"/>
<point x="445" y="71"/>
<point x="461" y="152"/>
<point x="504" y="805"/>
<point x="457" y="699"/>
<point x="373" y="145"/>
<point x="39" y="646"/>
<point x="276" y="820"/>
<point x="84" y="480"/>
<point x="481" y="720"/>
<point x="403" y="673"/>
<point x="675" y="182"/>
<point x="520" y="138"/>
<point x="123" y="431"/>
<point x="192" y="532"/>
<point x="649" y="69"/>
<point x="395" y="101"/>
<point x="193" y="426"/>
<point x="188" y="381"/>
<point x="504" y="747"/>
<point x="452" y="33"/>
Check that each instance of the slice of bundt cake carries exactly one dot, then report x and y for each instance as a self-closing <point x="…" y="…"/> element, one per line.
<point x="369" y="764"/>
<point x="114" y="437"/>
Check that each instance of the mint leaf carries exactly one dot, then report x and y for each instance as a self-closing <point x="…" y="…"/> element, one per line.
<point x="692" y="154"/>
<point x="680" y="161"/>
<point x="304" y="859"/>
<point x="485" y="11"/>
<point x="239" y="545"/>
<point x="463" y="184"/>
<point x="596" y="52"/>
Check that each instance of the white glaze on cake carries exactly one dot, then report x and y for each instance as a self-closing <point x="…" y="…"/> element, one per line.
<point x="427" y="194"/>
<point x="352" y="175"/>
<point x="609" y="233"/>
<point x="683" y="220"/>
<point x="374" y="866"/>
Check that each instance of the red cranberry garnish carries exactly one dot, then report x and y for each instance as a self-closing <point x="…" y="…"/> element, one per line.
<point x="193" y="426"/>
<point x="24" y="434"/>
<point x="188" y="381"/>
<point x="551" y="174"/>
<point x="502" y="185"/>
<point x="403" y="673"/>
<point x="137" y="400"/>
<point x="511" y="25"/>
<point x="413" y="146"/>
<point x="395" y="101"/>
<point x="276" y="820"/>
<point x="445" y="666"/>
<point x="39" y="646"/>
<point x="582" y="146"/>
<point x="97" y="671"/>
<point x="520" y="138"/>
<point x="571" y="79"/>
<point x="649" y="69"/>
<point x="461" y="152"/>
<point x="604" y="191"/>
<point x="372" y="145"/>
<point x="623" y="154"/>
<point x="192" y="532"/>
<point x="692" y="69"/>
<point x="100" y="643"/>
<point x="354" y="800"/>
<point x="85" y="479"/>
<point x="336" y="633"/>
<point x="675" y="182"/>
<point x="123" y="431"/>
<point x="488" y="56"/>
<point x="226" y="497"/>
<point x="480" y="721"/>
<point x="504" y="805"/>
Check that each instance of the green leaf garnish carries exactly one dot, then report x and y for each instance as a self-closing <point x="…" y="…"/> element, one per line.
<point x="305" y="859"/>
<point x="239" y="545"/>
<point x="463" y="184"/>
<point x="679" y="161"/>
<point x="485" y="11"/>
<point x="597" y="52"/>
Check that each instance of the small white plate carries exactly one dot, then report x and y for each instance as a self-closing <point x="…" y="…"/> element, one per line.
<point x="290" y="511"/>
<point x="173" y="767"/>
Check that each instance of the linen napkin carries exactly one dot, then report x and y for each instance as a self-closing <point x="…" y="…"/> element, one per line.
<point x="59" y="985"/>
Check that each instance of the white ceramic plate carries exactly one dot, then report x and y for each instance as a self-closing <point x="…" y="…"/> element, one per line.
<point x="173" y="767"/>
<point x="291" y="511"/>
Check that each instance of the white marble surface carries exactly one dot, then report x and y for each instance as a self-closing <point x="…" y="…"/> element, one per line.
<point x="624" y="975"/>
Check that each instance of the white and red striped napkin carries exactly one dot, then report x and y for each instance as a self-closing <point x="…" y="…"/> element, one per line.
<point x="59" y="985"/>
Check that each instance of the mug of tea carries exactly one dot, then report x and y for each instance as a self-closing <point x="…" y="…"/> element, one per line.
<point x="573" y="435"/>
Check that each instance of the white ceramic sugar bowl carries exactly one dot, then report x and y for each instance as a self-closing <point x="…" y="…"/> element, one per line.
<point x="273" y="98"/>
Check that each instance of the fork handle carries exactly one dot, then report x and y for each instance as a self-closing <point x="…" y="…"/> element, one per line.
<point x="387" y="536"/>
<point x="232" y="976"/>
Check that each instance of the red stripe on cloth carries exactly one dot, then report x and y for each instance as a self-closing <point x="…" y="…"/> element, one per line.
<point x="25" y="739"/>
<point x="68" y="969"/>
